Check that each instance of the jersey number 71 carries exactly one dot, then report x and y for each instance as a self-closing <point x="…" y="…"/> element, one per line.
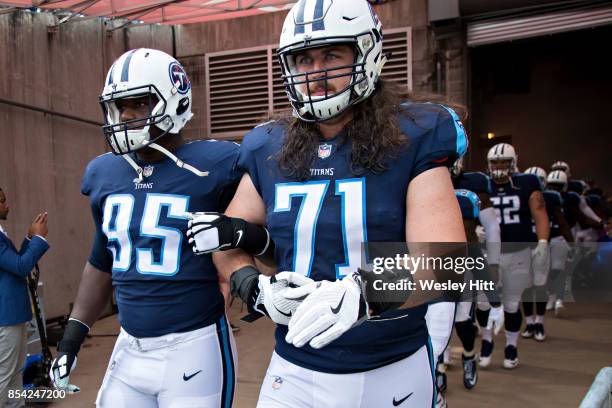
<point x="352" y="193"/>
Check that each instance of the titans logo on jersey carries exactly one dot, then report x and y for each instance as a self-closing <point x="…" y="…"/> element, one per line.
<point x="511" y="203"/>
<point x="476" y="183"/>
<point x="319" y="225"/>
<point x="160" y="285"/>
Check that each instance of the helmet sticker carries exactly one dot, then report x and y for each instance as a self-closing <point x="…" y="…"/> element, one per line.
<point x="179" y="78"/>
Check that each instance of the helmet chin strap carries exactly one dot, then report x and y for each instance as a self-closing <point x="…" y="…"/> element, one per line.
<point x="176" y="160"/>
<point x="136" y="167"/>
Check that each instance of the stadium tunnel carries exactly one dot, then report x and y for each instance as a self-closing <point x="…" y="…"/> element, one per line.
<point x="533" y="73"/>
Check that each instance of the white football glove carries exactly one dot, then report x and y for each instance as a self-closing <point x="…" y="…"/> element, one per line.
<point x="270" y="300"/>
<point x="496" y="319"/>
<point x="541" y="250"/>
<point x="328" y="311"/>
<point x="209" y="232"/>
<point x="540" y="262"/>
<point x="60" y="370"/>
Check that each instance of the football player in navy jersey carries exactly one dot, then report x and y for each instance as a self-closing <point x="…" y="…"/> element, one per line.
<point x="517" y="199"/>
<point x="473" y="191"/>
<point x="557" y="181"/>
<point x="353" y="165"/>
<point x="560" y="235"/>
<point x="579" y="187"/>
<point x="175" y="347"/>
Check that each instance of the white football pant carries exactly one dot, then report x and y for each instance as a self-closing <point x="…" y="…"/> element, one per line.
<point x="408" y="382"/>
<point x="178" y="370"/>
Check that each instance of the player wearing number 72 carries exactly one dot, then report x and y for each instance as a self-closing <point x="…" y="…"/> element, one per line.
<point x="174" y="347"/>
<point x="517" y="198"/>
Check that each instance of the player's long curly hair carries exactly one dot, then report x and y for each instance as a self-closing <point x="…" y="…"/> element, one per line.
<point x="373" y="132"/>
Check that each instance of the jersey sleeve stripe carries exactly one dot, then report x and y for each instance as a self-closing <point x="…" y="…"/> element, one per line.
<point x="462" y="140"/>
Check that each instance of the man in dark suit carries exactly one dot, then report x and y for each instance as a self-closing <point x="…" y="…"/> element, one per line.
<point x="15" y="308"/>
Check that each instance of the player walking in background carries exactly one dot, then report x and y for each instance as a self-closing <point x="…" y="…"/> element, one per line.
<point x="175" y="347"/>
<point x="562" y="266"/>
<point x="473" y="190"/>
<point x="560" y="235"/>
<point x="517" y="199"/>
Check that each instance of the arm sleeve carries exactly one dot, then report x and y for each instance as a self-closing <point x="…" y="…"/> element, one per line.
<point x="234" y="174"/>
<point x="100" y="257"/>
<point x="247" y="159"/>
<point x="488" y="219"/>
<point x="440" y="318"/>
<point x="24" y="246"/>
<point x="534" y="182"/>
<point x="21" y="264"/>
<point x="484" y="184"/>
<point x="443" y="144"/>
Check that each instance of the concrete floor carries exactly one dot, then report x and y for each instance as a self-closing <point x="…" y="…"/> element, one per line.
<point x="556" y="373"/>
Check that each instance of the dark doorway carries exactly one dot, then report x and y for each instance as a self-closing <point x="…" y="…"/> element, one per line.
<point x="551" y="96"/>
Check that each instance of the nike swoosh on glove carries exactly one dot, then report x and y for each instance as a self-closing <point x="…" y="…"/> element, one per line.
<point x="209" y="232"/>
<point x="60" y="370"/>
<point x="330" y="310"/>
<point x="496" y="319"/>
<point x="270" y="300"/>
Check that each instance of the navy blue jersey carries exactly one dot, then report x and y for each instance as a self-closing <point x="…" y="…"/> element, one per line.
<point x="161" y="287"/>
<point x="577" y="186"/>
<point x="511" y="203"/>
<point x="595" y="201"/>
<point x="553" y="201"/>
<point x="319" y="225"/>
<point x="469" y="203"/>
<point x="475" y="182"/>
<point x="571" y="206"/>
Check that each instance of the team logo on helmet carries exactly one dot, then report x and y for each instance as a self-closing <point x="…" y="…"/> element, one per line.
<point x="179" y="78"/>
<point x="325" y="150"/>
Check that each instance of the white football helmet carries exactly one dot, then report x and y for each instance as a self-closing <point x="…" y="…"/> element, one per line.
<point x="457" y="167"/>
<point x="561" y="165"/>
<point x="154" y="74"/>
<point x="557" y="178"/>
<point x="502" y="151"/>
<point x="539" y="172"/>
<point x="145" y="72"/>
<point x="318" y="23"/>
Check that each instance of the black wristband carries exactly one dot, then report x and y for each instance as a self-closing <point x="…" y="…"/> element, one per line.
<point x="74" y="336"/>
<point x="253" y="238"/>
<point x="244" y="283"/>
<point x="380" y="301"/>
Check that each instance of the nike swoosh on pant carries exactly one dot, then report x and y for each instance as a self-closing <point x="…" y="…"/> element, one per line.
<point x="398" y="403"/>
<point x="189" y="377"/>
